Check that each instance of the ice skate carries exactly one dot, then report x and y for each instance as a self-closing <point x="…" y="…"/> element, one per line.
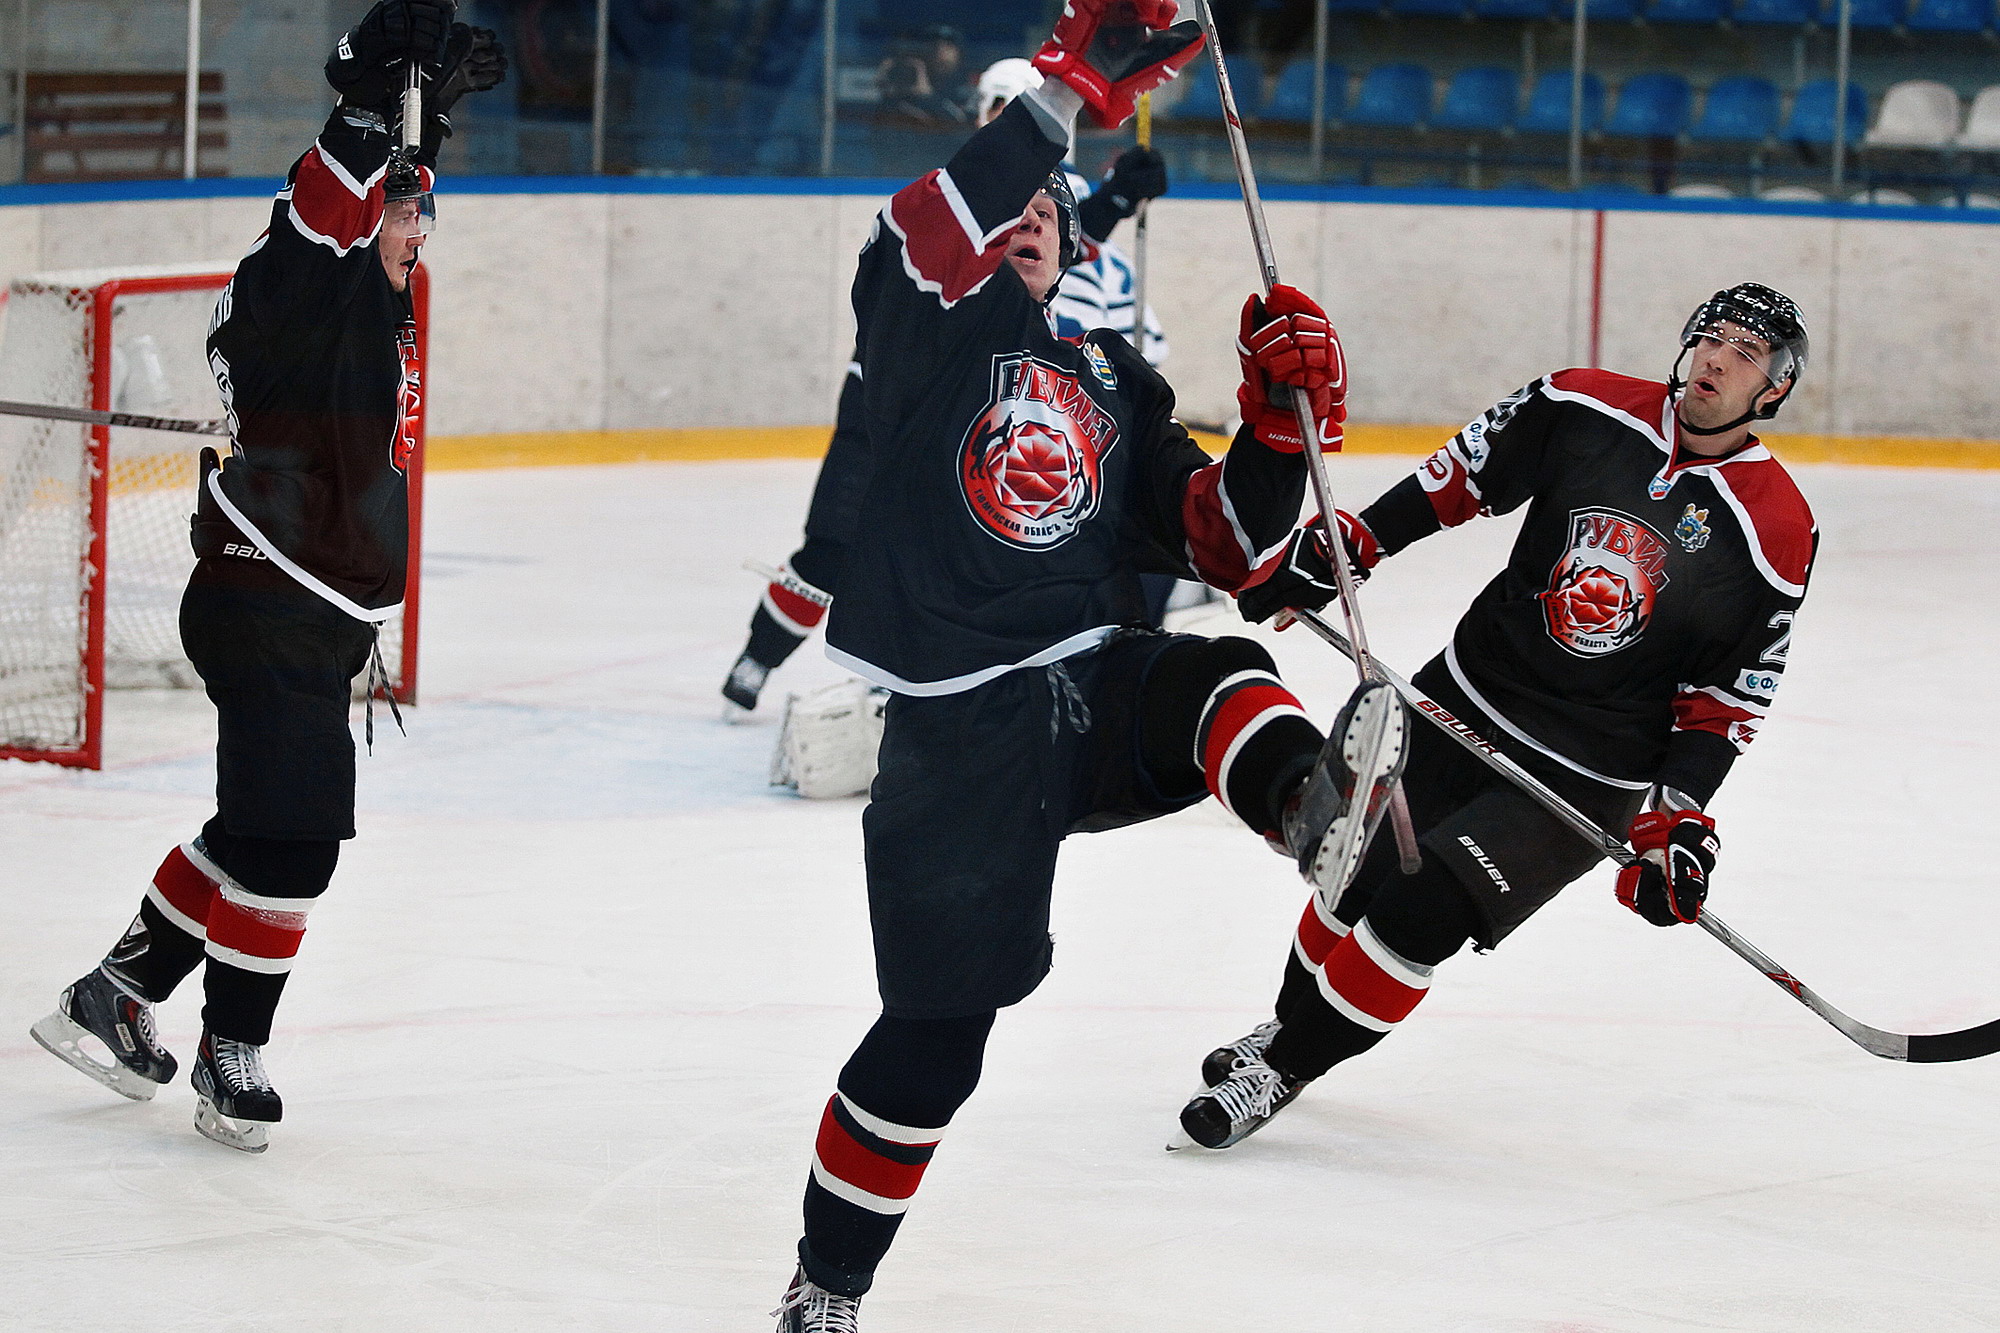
<point x="1250" y="1046"/>
<point x="809" y="1308"/>
<point x="97" y="1010"/>
<point x="1345" y="796"/>
<point x="235" y="1102"/>
<point x="742" y="686"/>
<point x="1240" y="1105"/>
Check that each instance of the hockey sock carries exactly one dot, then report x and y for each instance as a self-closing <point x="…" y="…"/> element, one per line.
<point x="896" y="1095"/>
<point x="255" y="926"/>
<point x="164" y="942"/>
<point x="1216" y="712"/>
<point x="780" y="624"/>
<point x="1372" y="976"/>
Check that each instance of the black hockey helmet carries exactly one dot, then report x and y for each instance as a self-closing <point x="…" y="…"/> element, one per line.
<point x="1068" y="221"/>
<point x="404" y="179"/>
<point x="1763" y="313"/>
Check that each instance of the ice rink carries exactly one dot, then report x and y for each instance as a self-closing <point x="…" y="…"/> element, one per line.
<point x="559" y="1037"/>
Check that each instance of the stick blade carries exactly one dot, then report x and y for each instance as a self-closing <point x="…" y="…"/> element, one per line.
<point x="1943" y="1047"/>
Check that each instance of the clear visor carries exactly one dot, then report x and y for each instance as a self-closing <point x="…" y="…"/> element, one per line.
<point x="416" y="216"/>
<point x="1774" y="365"/>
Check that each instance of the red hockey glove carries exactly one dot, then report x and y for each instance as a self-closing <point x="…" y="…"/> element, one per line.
<point x="1110" y="51"/>
<point x="1676" y="853"/>
<point x="1286" y="339"/>
<point x="1303" y="577"/>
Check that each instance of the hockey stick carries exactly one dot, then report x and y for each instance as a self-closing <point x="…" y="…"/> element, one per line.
<point x="1267" y="265"/>
<point x="1915" y="1048"/>
<point x="1139" y="237"/>
<point x="50" y="412"/>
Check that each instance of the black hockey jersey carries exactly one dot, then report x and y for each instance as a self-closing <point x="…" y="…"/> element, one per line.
<point x="1019" y="483"/>
<point x="315" y="355"/>
<point x="1640" y="627"/>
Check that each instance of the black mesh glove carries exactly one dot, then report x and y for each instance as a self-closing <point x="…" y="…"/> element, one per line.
<point x="1138" y="174"/>
<point x="366" y="67"/>
<point x="1303" y="578"/>
<point x="472" y="62"/>
<point x="1669" y="882"/>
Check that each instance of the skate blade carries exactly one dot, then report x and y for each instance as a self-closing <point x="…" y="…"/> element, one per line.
<point x="242" y="1135"/>
<point x="1375" y="757"/>
<point x="63" y="1037"/>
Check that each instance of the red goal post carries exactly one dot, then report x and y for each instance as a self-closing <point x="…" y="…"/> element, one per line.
<point x="93" y="519"/>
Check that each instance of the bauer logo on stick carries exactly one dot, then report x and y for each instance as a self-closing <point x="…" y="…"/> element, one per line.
<point x="1031" y="464"/>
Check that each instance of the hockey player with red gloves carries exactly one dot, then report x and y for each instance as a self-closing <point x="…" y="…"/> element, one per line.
<point x="301" y="543"/>
<point x="1021" y="485"/>
<point x="1630" y="648"/>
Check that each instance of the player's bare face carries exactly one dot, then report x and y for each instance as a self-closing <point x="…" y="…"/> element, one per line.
<point x="1728" y="373"/>
<point x="402" y="233"/>
<point x="1035" y="249"/>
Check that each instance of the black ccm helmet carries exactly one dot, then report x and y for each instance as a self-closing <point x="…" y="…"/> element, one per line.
<point x="404" y="179"/>
<point x="1764" y="313"/>
<point x="1070" y="225"/>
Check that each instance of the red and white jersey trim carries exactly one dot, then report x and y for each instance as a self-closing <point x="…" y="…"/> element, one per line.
<point x="943" y="250"/>
<point x="1644" y="405"/>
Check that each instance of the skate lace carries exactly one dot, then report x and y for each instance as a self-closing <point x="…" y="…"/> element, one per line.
<point x="1250" y="1092"/>
<point x="1253" y="1044"/>
<point x="820" y="1311"/>
<point x="242" y="1065"/>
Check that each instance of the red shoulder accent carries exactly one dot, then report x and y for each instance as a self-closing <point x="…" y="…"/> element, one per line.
<point x="330" y="206"/>
<point x="1643" y="399"/>
<point x="1777" y="511"/>
<point x="941" y="254"/>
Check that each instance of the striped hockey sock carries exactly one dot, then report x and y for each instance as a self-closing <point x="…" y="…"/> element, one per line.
<point x="165" y="940"/>
<point x="1254" y="745"/>
<point x="1361" y="990"/>
<point x="865" y="1170"/>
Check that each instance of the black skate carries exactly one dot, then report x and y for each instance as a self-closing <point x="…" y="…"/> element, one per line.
<point x="744" y="683"/>
<point x="1240" y="1105"/>
<point x="810" y="1308"/>
<point x="1250" y="1046"/>
<point x="98" y="1009"/>
<point x="235" y="1103"/>
<point x="1345" y="796"/>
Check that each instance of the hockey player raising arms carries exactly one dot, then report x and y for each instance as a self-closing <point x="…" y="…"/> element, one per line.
<point x="301" y="543"/>
<point x="1021" y="484"/>
<point x="1624" y="657"/>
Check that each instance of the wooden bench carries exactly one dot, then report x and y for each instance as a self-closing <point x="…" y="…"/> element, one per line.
<point x="118" y="127"/>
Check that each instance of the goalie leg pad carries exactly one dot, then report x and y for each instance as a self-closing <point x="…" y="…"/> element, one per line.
<point x="828" y="744"/>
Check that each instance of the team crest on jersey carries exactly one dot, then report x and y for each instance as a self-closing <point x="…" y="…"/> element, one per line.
<point x="409" y="399"/>
<point x="1692" y="531"/>
<point x="1032" y="462"/>
<point x="1100" y="365"/>
<point x="1658" y="487"/>
<point x="1602" y="594"/>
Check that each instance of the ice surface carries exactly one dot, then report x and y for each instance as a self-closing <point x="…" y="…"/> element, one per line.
<point x="557" y="1044"/>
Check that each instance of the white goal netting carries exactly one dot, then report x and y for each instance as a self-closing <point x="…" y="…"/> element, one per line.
<point x="126" y="340"/>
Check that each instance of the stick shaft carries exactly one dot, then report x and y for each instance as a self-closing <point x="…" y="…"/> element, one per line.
<point x="1139" y="235"/>
<point x="50" y="412"/>
<point x="413" y="107"/>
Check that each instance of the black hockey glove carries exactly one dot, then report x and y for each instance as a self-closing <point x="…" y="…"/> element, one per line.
<point x="1138" y="174"/>
<point x="209" y="530"/>
<point x="472" y="62"/>
<point x="1676" y="853"/>
<point x="366" y="67"/>
<point x="1303" y="579"/>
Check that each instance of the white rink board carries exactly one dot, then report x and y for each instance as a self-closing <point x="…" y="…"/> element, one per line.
<point x="559" y="1037"/>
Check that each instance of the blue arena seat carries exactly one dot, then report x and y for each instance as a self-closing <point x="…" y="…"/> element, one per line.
<point x="1203" y="101"/>
<point x="1354" y="6"/>
<point x="1867" y="13"/>
<point x="1951" y="16"/>
<point x="1394" y="96"/>
<point x="1612" y="11"/>
<point x="1811" y="120"/>
<point x="1652" y="106"/>
<point x="1291" y="100"/>
<point x="1548" y="104"/>
<point x="1485" y="97"/>
<point x="1516" y="9"/>
<point x="1741" y="109"/>
<point x="1433" y="8"/>
<point x="1777" y="13"/>
<point x="1687" y="11"/>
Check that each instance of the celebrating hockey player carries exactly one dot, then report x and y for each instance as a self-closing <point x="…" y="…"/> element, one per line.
<point x="1094" y="292"/>
<point x="301" y="543"/>
<point x="1022" y="484"/>
<point x="1624" y="657"/>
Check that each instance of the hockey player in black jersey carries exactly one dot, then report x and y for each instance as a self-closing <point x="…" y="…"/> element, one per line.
<point x="301" y="543"/>
<point x="794" y="603"/>
<point x="1625" y="656"/>
<point x="1021" y="485"/>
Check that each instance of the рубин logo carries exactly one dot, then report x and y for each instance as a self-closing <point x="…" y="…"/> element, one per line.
<point x="1031" y="465"/>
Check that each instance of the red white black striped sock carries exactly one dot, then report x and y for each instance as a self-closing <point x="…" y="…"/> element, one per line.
<point x="1253" y="743"/>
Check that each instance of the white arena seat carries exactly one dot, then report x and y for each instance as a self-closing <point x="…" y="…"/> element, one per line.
<point x="1982" y="125"/>
<point x="1792" y="194"/>
<point x="1701" y="190"/>
<point x="1918" y="113"/>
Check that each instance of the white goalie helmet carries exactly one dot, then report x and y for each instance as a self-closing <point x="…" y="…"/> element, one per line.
<point x="1003" y="81"/>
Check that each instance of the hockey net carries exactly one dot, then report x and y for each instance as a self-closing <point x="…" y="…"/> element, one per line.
<point x="94" y="520"/>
